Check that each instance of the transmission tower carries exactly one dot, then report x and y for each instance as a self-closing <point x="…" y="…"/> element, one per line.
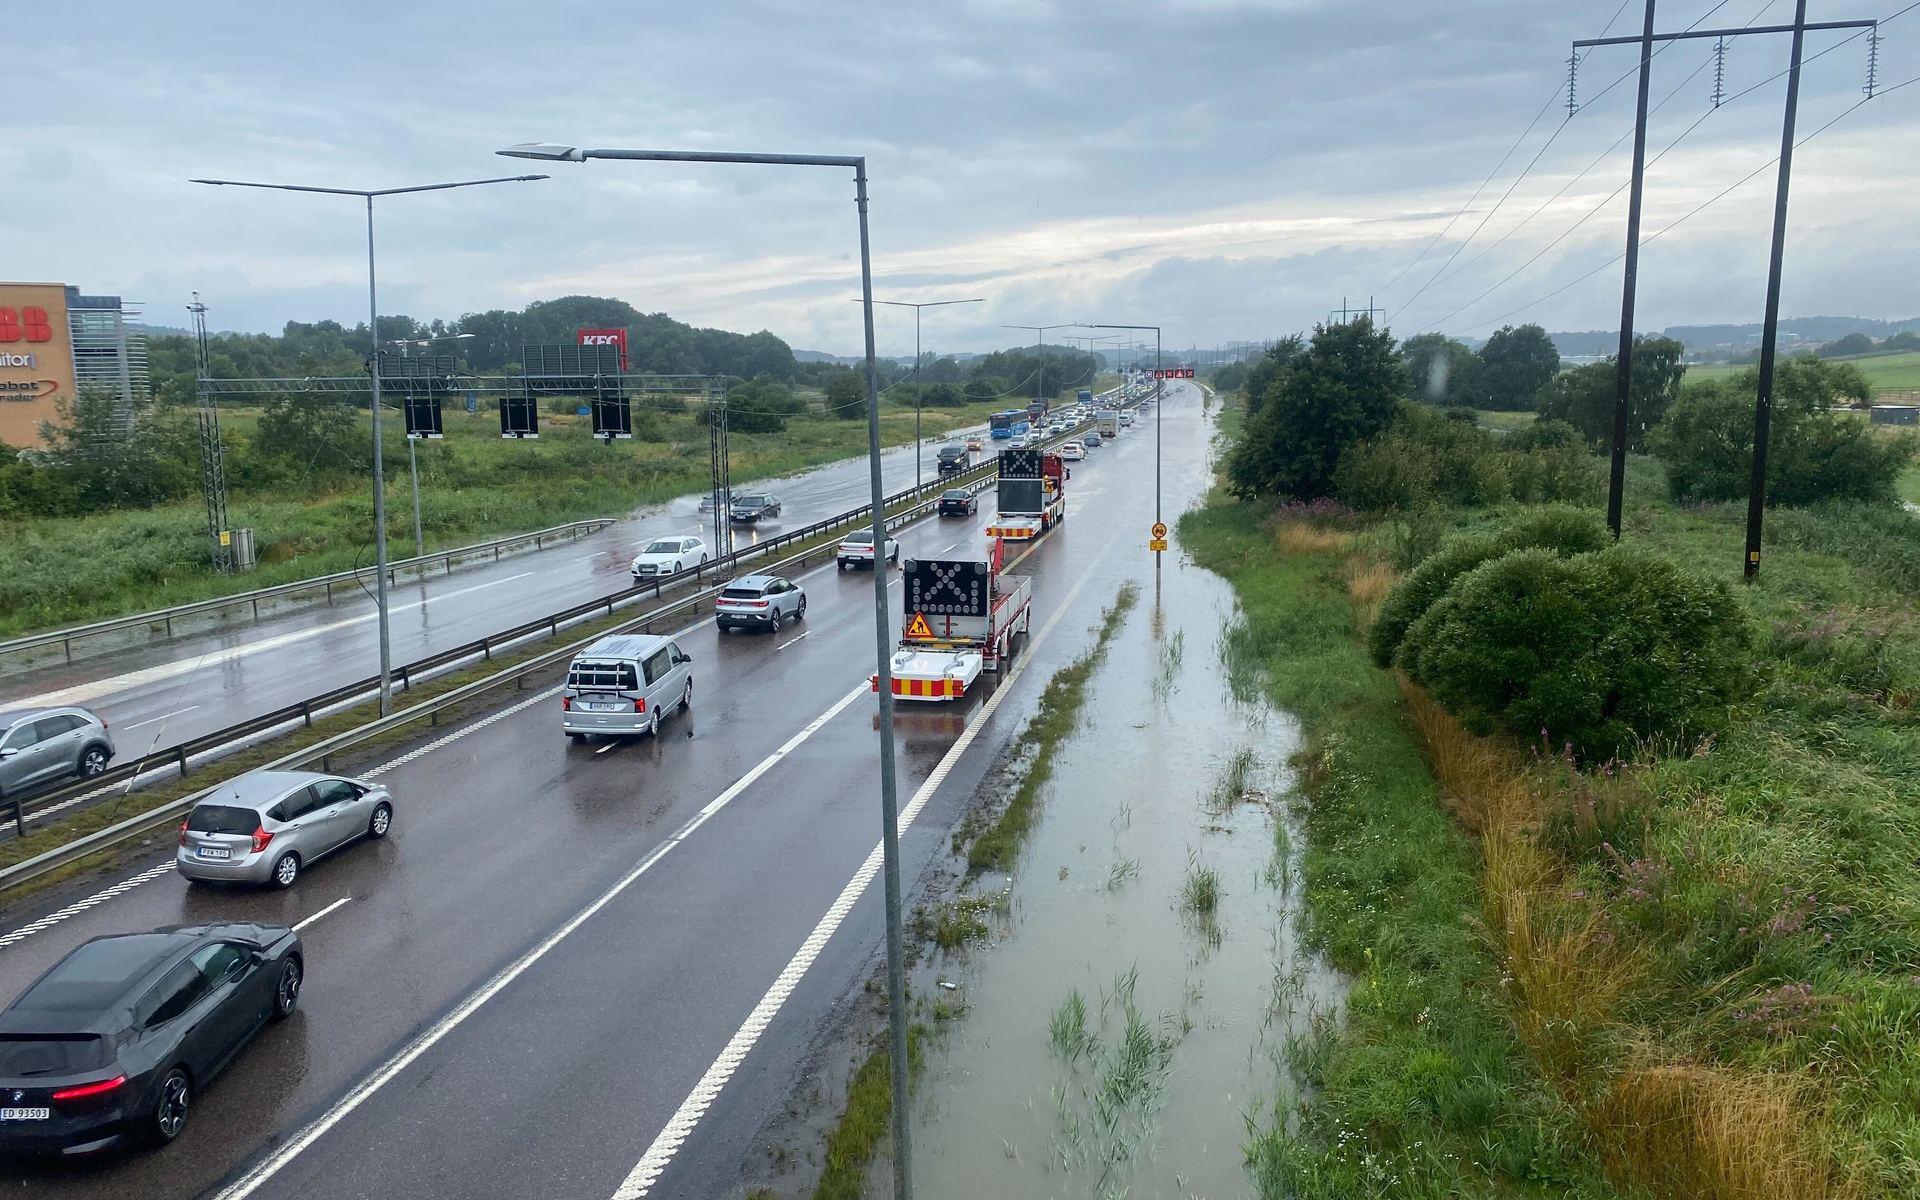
<point x="721" y="470"/>
<point x="213" y="464"/>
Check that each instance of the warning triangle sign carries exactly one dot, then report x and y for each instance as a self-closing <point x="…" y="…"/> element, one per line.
<point x="918" y="628"/>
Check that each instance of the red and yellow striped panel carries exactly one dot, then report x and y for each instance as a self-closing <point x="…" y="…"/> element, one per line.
<point x="921" y="689"/>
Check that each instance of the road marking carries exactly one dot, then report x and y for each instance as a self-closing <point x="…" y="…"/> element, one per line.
<point x="323" y="912"/>
<point x="679" y="1127"/>
<point x="605" y="748"/>
<point x="80" y="906"/>
<point x="247" y="1184"/>
<point x="794" y="641"/>
<point x="162" y="717"/>
<point x="113" y="685"/>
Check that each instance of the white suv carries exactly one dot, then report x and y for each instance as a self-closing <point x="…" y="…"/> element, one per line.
<point x="669" y="556"/>
<point x="857" y="551"/>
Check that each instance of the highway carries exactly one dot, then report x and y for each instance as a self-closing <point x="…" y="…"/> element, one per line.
<point x="594" y="970"/>
<point x="159" y="692"/>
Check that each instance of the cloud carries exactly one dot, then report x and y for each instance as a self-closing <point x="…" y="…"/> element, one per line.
<point x="1229" y="169"/>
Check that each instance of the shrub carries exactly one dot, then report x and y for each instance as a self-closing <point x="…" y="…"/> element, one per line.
<point x="1544" y="434"/>
<point x="1426" y="458"/>
<point x="1341" y="390"/>
<point x="1599" y="651"/>
<point x="1555" y="528"/>
<point x="1813" y="454"/>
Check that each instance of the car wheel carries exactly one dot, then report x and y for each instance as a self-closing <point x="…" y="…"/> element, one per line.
<point x="843" y="564"/>
<point x="776" y="619"/>
<point x="576" y="737"/>
<point x="93" y="761"/>
<point x="677" y="568"/>
<point x="653" y="723"/>
<point x="686" y="697"/>
<point x="286" y="870"/>
<point x="286" y="990"/>
<point x="170" y="1110"/>
<point x="381" y="821"/>
<point x="800" y="613"/>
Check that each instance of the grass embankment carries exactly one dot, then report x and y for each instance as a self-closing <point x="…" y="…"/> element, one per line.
<point x="865" y="1122"/>
<point x="473" y="486"/>
<point x="1909" y="485"/>
<point x="994" y="847"/>
<point x="1692" y="975"/>
<point x="1884" y="372"/>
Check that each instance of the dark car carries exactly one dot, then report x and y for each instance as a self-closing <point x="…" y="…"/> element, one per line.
<point x="954" y="460"/>
<point x="958" y="502"/>
<point x="111" y="1045"/>
<point x="755" y="507"/>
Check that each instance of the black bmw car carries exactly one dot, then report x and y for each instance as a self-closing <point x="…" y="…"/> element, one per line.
<point x="113" y="1043"/>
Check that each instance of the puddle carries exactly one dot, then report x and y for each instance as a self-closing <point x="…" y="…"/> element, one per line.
<point x="1130" y="1011"/>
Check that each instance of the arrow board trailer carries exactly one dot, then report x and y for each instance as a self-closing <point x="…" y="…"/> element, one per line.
<point x="1032" y="495"/>
<point x="962" y="618"/>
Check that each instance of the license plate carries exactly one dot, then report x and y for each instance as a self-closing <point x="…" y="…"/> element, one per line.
<point x="211" y="852"/>
<point x="25" y="1114"/>
<point x="602" y="706"/>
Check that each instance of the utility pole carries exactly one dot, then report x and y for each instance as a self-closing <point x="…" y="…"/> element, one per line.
<point x="1623" y="375"/>
<point x="1040" y="351"/>
<point x="1346" y="314"/>
<point x="213" y="452"/>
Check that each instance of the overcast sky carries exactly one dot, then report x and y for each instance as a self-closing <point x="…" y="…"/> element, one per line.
<point x="1225" y="169"/>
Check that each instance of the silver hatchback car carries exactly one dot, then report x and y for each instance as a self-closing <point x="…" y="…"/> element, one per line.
<point x="39" y="746"/>
<point x="268" y="826"/>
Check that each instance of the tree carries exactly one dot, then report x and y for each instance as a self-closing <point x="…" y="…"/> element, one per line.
<point x="1268" y="368"/>
<point x="1440" y="369"/>
<point x="1514" y="365"/>
<point x="847" y="394"/>
<point x="1853" y="343"/>
<point x="1585" y="396"/>
<point x="104" y="456"/>
<point x="942" y="395"/>
<point x="1906" y="339"/>
<point x="1813" y="453"/>
<point x="1339" y="391"/>
<point x="761" y="406"/>
<point x="311" y="435"/>
<point x="982" y="388"/>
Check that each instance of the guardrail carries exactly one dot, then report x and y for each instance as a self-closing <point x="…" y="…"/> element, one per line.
<point x="321" y="752"/>
<point x="181" y="755"/>
<point x="166" y="616"/>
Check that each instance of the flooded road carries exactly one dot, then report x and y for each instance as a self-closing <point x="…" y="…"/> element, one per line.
<point x="1131" y="1010"/>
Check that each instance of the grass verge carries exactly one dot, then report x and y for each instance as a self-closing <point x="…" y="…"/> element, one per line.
<point x="865" y="1121"/>
<point x="995" y="847"/>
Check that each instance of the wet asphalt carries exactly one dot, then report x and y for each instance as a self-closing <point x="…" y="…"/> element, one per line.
<point x="506" y="833"/>
<point x="157" y="691"/>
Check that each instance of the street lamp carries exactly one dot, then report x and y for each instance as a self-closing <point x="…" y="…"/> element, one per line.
<point x="373" y="384"/>
<point x="413" y="463"/>
<point x="916" y="363"/>
<point x="889" y="812"/>
<point x="1040" y="351"/>
<point x="1157" y="406"/>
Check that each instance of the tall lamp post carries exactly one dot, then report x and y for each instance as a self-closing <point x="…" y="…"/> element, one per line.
<point x="413" y="462"/>
<point x="1157" y="406"/>
<point x="916" y="362"/>
<point x="1040" y="351"/>
<point x="889" y="812"/>
<point x="373" y="385"/>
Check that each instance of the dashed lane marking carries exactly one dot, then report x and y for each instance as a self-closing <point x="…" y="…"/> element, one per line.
<point x="323" y="912"/>
<point x="247" y="1184"/>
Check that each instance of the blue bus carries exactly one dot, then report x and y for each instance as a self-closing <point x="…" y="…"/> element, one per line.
<point x="1014" y="422"/>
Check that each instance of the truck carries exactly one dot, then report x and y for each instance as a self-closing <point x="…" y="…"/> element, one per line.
<point x="1032" y="495"/>
<point x="960" y="618"/>
<point x="1107" y="421"/>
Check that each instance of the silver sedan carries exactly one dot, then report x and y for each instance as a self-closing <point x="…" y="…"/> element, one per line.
<point x="269" y="826"/>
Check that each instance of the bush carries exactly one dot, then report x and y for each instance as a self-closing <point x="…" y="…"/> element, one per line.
<point x="1813" y="454"/>
<point x="1545" y="434"/>
<point x="1600" y="651"/>
<point x="1557" y="529"/>
<point x="1426" y="458"/>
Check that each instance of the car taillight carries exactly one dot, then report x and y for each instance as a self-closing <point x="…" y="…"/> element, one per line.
<point x="260" y="839"/>
<point x="566" y="705"/>
<point x="87" y="1091"/>
<point x="183" y="833"/>
<point x="758" y="604"/>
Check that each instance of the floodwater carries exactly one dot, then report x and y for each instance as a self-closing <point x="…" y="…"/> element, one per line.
<point x="1116" y="1039"/>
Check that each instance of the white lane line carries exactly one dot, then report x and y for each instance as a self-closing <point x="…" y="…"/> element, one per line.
<point x="952" y="548"/>
<point x="795" y="641"/>
<point x="162" y="717"/>
<point x="247" y="1184"/>
<point x="681" y="1125"/>
<point x="113" y="685"/>
<point x="605" y="748"/>
<point x="323" y="912"/>
<point x="80" y="906"/>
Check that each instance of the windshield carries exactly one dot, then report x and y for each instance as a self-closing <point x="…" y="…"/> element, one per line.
<point x="667" y="547"/>
<point x="751" y="501"/>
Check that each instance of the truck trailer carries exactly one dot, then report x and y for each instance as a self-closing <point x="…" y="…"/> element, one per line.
<point x="960" y="618"/>
<point x="1032" y="495"/>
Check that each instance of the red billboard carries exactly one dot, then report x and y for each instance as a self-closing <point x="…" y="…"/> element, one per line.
<point x="604" y="337"/>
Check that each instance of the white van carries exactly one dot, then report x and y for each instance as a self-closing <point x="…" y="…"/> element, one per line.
<point x="624" y="685"/>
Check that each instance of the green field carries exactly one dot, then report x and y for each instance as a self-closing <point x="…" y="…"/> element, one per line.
<point x="474" y="485"/>
<point x="1885" y="372"/>
<point x="1909" y="485"/>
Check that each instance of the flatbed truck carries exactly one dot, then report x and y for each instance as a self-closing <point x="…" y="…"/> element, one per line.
<point x="961" y="618"/>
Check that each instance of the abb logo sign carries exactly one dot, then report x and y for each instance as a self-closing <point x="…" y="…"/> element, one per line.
<point x="604" y="337"/>
<point x="30" y="324"/>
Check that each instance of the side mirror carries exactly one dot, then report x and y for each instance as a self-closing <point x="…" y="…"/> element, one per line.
<point x="686" y="658"/>
<point x="9" y="752"/>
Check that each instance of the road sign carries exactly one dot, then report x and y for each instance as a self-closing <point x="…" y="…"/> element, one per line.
<point x="1157" y="545"/>
<point x="1159" y="531"/>
<point x="918" y="630"/>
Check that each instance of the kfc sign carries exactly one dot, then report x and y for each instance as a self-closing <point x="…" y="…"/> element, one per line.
<point x="604" y="337"/>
